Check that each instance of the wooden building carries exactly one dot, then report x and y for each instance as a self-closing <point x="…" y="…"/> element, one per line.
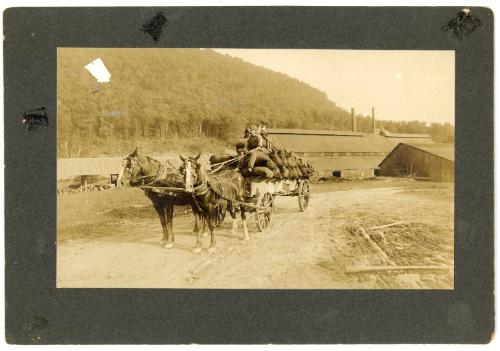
<point x="341" y="154"/>
<point x="68" y="168"/>
<point x="427" y="161"/>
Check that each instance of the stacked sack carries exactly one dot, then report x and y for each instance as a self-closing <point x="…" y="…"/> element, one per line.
<point x="292" y="166"/>
<point x="256" y="162"/>
<point x="274" y="163"/>
<point x="259" y="158"/>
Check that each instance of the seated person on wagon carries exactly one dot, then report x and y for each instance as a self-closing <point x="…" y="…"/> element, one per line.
<point x="258" y="162"/>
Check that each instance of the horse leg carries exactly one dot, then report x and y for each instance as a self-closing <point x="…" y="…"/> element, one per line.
<point x="244" y="220"/>
<point x="160" y="209"/>
<point x="198" y="217"/>
<point x="204" y="226"/>
<point x="196" y="222"/>
<point x="232" y="212"/>
<point x="169" y="211"/>
<point x="211" y="225"/>
<point x="199" y="221"/>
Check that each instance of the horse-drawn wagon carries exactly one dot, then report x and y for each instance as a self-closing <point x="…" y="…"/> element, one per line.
<point x="210" y="193"/>
<point x="259" y="196"/>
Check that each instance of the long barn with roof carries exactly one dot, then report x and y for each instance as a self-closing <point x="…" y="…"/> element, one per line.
<point x="342" y="154"/>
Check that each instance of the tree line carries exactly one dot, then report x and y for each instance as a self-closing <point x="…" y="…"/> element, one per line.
<point x="171" y="98"/>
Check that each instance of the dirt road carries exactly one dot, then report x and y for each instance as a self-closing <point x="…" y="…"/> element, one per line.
<point x="111" y="239"/>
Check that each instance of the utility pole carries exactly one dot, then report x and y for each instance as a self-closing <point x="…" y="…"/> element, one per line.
<point x="353" y="119"/>
<point x="373" y="120"/>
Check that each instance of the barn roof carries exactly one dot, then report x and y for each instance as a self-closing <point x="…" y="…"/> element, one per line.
<point x="446" y="151"/>
<point x="72" y="167"/>
<point x="331" y="141"/>
<point x="312" y="132"/>
<point x="402" y="135"/>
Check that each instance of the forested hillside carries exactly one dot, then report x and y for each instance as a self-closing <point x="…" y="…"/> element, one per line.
<point x="185" y="100"/>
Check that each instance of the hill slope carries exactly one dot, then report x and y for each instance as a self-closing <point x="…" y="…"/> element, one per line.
<point x="180" y="100"/>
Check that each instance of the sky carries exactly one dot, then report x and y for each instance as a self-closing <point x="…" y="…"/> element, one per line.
<point x="400" y="84"/>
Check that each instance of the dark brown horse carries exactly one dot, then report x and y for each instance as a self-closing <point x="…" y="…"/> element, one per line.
<point x="145" y="170"/>
<point x="213" y="191"/>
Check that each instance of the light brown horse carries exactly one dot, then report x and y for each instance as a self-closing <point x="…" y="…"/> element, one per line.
<point x="212" y="191"/>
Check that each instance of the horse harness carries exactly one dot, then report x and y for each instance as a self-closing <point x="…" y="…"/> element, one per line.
<point x="204" y="187"/>
<point x="148" y="176"/>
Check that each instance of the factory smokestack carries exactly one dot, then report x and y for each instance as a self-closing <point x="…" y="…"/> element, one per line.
<point x="353" y="119"/>
<point x="373" y="120"/>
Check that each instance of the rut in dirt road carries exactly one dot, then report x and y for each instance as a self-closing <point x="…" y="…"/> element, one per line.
<point x="284" y="256"/>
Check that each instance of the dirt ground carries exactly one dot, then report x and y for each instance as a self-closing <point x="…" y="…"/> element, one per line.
<point x="112" y="239"/>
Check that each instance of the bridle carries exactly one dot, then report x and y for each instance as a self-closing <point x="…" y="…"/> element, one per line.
<point x="189" y="172"/>
<point x="197" y="186"/>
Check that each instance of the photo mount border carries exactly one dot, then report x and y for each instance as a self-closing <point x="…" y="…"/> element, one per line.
<point x="39" y="313"/>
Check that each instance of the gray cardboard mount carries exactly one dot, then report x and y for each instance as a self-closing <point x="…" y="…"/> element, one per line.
<point x="37" y="312"/>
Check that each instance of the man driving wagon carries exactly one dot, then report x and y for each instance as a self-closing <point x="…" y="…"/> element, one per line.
<point x="264" y="160"/>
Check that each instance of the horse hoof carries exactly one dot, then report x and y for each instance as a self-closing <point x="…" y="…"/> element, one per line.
<point x="197" y="250"/>
<point x="212" y="249"/>
<point x="204" y="235"/>
<point x="168" y="245"/>
<point x="247" y="238"/>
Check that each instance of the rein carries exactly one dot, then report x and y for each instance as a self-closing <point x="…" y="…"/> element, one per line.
<point x="224" y="163"/>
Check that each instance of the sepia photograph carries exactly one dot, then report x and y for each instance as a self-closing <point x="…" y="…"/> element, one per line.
<point x="255" y="168"/>
<point x="249" y="175"/>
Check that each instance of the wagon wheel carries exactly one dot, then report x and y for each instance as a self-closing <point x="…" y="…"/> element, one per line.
<point x="304" y="195"/>
<point x="264" y="215"/>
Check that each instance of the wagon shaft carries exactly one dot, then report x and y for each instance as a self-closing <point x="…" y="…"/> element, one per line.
<point x="168" y="191"/>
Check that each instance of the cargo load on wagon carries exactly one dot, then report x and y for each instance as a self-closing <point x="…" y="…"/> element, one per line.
<point x="257" y="156"/>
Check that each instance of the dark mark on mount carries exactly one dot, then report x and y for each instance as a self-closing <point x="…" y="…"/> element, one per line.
<point x="464" y="24"/>
<point x="155" y="26"/>
<point x="36" y="326"/>
<point x="35" y="118"/>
